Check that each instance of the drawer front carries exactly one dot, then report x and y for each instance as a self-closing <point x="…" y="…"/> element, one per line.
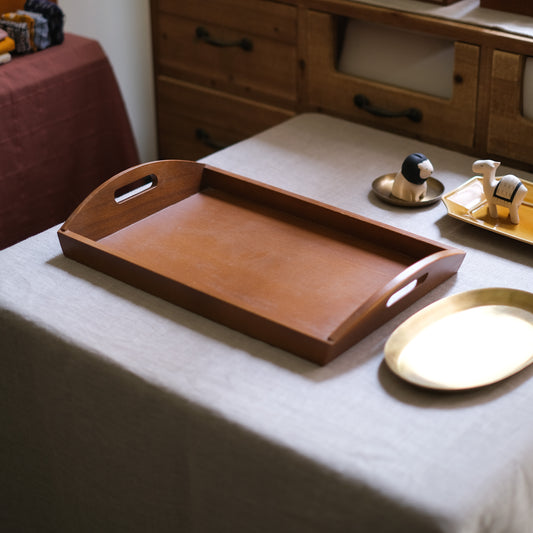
<point x="435" y="119"/>
<point x="509" y="132"/>
<point x="196" y="121"/>
<point x="256" y="17"/>
<point x="248" y="64"/>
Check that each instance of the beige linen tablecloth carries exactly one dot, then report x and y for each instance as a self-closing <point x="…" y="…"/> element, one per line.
<point x="122" y="412"/>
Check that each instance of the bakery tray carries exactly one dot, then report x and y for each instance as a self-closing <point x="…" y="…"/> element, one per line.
<point x="293" y="272"/>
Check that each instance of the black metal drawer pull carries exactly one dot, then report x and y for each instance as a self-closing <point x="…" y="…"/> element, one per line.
<point x="362" y="102"/>
<point x="205" y="138"/>
<point x="204" y="35"/>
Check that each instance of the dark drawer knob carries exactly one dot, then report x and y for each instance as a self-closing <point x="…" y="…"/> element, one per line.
<point x="204" y="35"/>
<point x="362" y="102"/>
<point x="205" y="138"/>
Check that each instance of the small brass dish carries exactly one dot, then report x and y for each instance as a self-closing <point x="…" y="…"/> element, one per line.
<point x="467" y="203"/>
<point x="464" y="341"/>
<point x="382" y="188"/>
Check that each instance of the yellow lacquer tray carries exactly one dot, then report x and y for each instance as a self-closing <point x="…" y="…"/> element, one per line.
<point x="468" y="203"/>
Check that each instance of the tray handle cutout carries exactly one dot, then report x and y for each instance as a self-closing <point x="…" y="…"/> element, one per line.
<point x="133" y="194"/>
<point x="139" y="186"/>
<point x="398" y="294"/>
<point x="405" y="290"/>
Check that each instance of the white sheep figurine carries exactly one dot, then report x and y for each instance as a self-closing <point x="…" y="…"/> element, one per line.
<point x="410" y="182"/>
<point x="507" y="191"/>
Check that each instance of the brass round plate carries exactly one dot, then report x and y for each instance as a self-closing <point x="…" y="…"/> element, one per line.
<point x="382" y="187"/>
<point x="464" y="341"/>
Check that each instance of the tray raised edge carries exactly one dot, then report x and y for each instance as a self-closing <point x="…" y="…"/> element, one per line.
<point x="179" y="179"/>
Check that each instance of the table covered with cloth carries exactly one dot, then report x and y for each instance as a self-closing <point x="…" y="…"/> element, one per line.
<point x="63" y="131"/>
<point x="122" y="412"/>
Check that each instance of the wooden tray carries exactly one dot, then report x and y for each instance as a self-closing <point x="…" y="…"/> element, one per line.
<point x="293" y="272"/>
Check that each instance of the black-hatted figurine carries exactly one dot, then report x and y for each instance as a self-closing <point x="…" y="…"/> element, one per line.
<point x="410" y="182"/>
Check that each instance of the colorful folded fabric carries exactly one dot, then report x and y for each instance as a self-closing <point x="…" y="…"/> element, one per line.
<point x="7" y="44"/>
<point x="52" y="13"/>
<point x="3" y="34"/>
<point x="41" y="35"/>
<point x="19" y="32"/>
<point x="5" y="58"/>
<point x="25" y="19"/>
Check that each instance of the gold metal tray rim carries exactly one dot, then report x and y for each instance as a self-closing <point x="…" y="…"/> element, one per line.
<point x="420" y="322"/>
<point x="464" y="214"/>
<point x="382" y="188"/>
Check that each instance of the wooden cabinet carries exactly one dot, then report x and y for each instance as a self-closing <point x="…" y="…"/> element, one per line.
<point x="436" y="119"/>
<point x="509" y="131"/>
<point x="226" y="69"/>
<point x="194" y="121"/>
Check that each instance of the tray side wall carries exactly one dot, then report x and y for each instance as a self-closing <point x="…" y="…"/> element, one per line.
<point x="374" y="232"/>
<point x="369" y="317"/>
<point x="427" y="273"/>
<point x="92" y="255"/>
<point x="100" y="214"/>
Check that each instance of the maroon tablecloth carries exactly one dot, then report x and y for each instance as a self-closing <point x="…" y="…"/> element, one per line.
<point x="63" y="131"/>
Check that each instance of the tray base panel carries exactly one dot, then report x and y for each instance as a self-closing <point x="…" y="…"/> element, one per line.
<point x="272" y="264"/>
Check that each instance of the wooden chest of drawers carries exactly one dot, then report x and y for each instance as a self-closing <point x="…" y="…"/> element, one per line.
<point x="226" y="69"/>
<point x="194" y="120"/>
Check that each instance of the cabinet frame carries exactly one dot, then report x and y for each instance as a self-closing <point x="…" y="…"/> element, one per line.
<point x="479" y="140"/>
<point x="451" y="121"/>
